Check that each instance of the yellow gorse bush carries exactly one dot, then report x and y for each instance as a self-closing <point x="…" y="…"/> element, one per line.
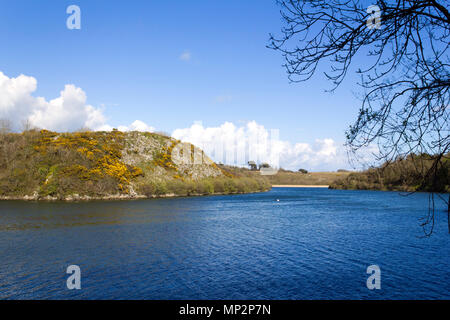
<point x="164" y="157"/>
<point x="100" y="153"/>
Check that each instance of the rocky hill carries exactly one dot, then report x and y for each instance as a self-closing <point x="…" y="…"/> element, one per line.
<point x="47" y="165"/>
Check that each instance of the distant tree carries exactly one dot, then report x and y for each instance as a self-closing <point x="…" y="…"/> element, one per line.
<point x="27" y="126"/>
<point x="264" y="165"/>
<point x="84" y="129"/>
<point x="252" y="165"/>
<point x="303" y="171"/>
<point x="5" y="126"/>
<point x="404" y="78"/>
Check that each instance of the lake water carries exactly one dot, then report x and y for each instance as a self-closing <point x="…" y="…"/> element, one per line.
<point x="312" y="244"/>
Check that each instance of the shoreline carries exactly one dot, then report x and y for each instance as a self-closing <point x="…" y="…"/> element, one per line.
<point x="121" y="197"/>
<point x="299" y="186"/>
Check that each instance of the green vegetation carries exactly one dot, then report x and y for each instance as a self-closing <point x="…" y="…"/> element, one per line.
<point x="207" y="186"/>
<point x="405" y="174"/>
<point x="49" y="165"/>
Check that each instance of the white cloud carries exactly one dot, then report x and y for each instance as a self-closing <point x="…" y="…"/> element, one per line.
<point x="234" y="145"/>
<point x="137" y="126"/>
<point x="68" y="112"/>
<point x="186" y="56"/>
<point x="226" y="143"/>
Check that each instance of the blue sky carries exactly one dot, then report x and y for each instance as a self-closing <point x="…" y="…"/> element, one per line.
<point x="128" y="60"/>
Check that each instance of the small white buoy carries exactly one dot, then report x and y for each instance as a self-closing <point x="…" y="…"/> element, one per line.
<point x="278" y="200"/>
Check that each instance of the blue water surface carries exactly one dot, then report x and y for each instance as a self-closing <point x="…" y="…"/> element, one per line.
<point x="311" y="244"/>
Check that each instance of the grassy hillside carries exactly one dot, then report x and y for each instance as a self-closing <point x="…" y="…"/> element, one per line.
<point x="84" y="165"/>
<point x="286" y="177"/>
<point x="402" y="175"/>
<point x="311" y="178"/>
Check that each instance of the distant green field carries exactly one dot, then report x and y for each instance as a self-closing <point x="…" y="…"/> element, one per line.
<point x="285" y="177"/>
<point x="312" y="178"/>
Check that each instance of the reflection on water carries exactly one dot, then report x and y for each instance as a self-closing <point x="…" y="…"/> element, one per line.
<point x="22" y="216"/>
<point x="312" y="244"/>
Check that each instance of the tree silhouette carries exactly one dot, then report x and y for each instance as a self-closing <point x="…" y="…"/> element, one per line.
<point x="404" y="79"/>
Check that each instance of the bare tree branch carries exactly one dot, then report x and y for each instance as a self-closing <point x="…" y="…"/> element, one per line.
<point x="405" y="74"/>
